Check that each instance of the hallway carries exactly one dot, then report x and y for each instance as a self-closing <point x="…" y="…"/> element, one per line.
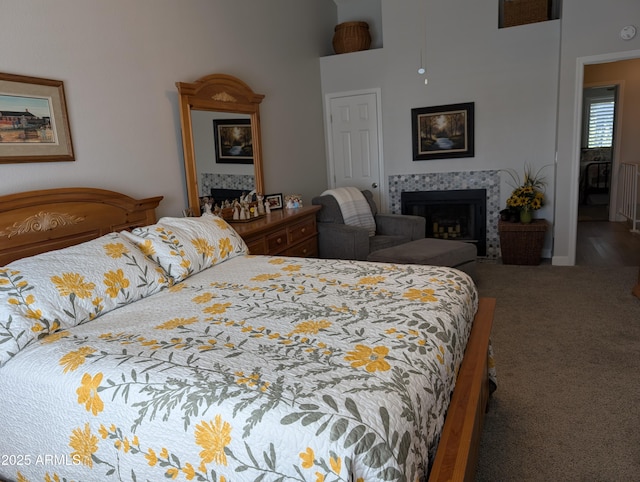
<point x="602" y="243"/>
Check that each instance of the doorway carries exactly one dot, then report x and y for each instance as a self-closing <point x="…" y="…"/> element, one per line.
<point x="596" y="153"/>
<point x="606" y="239"/>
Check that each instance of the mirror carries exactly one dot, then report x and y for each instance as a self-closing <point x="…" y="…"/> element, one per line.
<point x="220" y="120"/>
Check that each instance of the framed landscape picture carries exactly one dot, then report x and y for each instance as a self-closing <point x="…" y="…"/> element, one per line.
<point x="442" y="132"/>
<point x="233" y="142"/>
<point x="34" y="124"/>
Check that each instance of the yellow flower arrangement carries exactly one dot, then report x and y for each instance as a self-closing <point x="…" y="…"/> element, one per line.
<point x="528" y="194"/>
<point x="526" y="197"/>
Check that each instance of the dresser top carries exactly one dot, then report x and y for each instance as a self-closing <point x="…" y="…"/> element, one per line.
<point x="281" y="217"/>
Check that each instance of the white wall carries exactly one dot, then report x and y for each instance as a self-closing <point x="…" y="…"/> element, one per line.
<point x="120" y="60"/>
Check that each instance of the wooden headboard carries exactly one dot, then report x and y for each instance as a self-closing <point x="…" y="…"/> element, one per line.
<point x="37" y="221"/>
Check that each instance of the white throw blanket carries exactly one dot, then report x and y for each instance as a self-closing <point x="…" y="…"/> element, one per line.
<point x="354" y="207"/>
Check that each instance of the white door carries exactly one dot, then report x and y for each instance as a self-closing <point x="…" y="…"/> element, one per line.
<point x="355" y="141"/>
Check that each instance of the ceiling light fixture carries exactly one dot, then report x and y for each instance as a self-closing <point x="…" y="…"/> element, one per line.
<point x="422" y="70"/>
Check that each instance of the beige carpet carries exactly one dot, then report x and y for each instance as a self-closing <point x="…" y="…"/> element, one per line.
<point x="567" y="348"/>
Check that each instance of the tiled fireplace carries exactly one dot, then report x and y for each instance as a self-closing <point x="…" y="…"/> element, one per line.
<point x="489" y="181"/>
<point x="457" y="214"/>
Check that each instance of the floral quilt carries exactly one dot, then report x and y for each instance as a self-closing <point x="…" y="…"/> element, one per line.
<point x="256" y="369"/>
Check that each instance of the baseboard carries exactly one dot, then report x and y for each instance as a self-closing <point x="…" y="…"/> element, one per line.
<point x="561" y="261"/>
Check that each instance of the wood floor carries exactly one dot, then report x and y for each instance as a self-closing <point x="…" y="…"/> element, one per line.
<point x="602" y="243"/>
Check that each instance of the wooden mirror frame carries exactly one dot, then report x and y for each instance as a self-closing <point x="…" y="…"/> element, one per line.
<point x="220" y="93"/>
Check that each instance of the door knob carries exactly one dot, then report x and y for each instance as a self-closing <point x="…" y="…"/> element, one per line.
<point x="374" y="185"/>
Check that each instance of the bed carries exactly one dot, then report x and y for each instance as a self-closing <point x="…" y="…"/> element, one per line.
<point x="136" y="349"/>
<point x="596" y="180"/>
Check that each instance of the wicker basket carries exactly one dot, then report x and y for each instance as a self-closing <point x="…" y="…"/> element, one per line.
<point x="522" y="243"/>
<point x="521" y="12"/>
<point x="351" y="37"/>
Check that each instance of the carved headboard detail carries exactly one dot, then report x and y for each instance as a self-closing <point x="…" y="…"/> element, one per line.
<point x="37" y="221"/>
<point x="42" y="221"/>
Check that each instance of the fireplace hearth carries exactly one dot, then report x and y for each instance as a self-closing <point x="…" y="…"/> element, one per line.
<point x="452" y="214"/>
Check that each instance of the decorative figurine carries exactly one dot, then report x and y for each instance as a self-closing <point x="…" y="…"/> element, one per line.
<point x="260" y="199"/>
<point x="236" y="211"/>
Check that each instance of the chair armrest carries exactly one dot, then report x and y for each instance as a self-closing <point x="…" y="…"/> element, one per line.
<point x="340" y="241"/>
<point x="413" y="227"/>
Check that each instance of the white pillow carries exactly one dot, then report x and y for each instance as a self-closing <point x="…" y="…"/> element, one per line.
<point x="186" y="246"/>
<point x="63" y="288"/>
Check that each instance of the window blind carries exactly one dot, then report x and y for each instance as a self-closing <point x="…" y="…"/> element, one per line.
<point x="600" y="129"/>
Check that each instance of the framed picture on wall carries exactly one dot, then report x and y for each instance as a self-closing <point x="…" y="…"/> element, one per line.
<point x="233" y="142"/>
<point x="34" y="125"/>
<point x="442" y="132"/>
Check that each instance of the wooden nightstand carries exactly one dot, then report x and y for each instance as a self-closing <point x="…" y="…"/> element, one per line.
<point x="287" y="232"/>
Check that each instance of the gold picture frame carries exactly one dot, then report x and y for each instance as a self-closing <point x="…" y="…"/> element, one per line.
<point x="34" y="124"/>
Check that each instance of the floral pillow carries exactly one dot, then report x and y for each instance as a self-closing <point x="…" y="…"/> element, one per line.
<point x="63" y="288"/>
<point x="185" y="246"/>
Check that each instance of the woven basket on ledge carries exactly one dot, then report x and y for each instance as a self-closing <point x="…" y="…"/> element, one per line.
<point x="521" y="12"/>
<point x="351" y="37"/>
<point x="522" y="243"/>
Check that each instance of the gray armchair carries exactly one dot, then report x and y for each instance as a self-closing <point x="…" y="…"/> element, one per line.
<point x="340" y="241"/>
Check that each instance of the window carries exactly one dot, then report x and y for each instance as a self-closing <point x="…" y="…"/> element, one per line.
<point x="598" y="116"/>
<point x="600" y="123"/>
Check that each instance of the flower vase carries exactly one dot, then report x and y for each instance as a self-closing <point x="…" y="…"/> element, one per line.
<point x="526" y="216"/>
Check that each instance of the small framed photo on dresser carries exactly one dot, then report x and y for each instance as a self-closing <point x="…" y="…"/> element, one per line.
<point x="274" y="201"/>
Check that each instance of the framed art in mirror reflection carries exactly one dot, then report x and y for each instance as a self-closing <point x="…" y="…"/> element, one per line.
<point x="233" y="141"/>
